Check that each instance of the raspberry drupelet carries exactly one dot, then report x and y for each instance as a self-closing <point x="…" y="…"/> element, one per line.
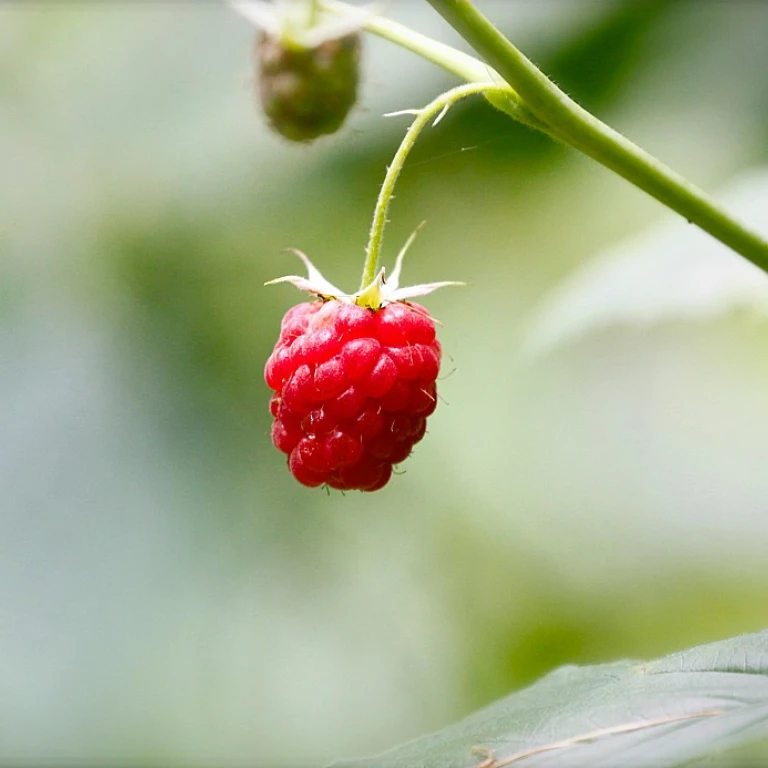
<point x="353" y="388"/>
<point x="353" y="379"/>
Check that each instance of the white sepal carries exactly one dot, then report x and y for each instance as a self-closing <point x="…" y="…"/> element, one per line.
<point x="260" y="13"/>
<point x="393" y="291"/>
<point x="412" y="291"/>
<point x="335" y="27"/>
<point x="314" y="283"/>
<point x="288" y="20"/>
<point x="394" y="280"/>
<point x="378" y="293"/>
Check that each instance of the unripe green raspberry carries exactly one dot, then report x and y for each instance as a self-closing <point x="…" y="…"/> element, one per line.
<point x="308" y="92"/>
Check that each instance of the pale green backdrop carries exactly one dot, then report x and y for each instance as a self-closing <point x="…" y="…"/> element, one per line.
<point x="168" y="594"/>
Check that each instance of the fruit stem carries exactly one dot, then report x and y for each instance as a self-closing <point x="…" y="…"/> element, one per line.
<point x="435" y="109"/>
<point x="456" y="62"/>
<point x="532" y="98"/>
<point x="565" y="120"/>
<point x="314" y="13"/>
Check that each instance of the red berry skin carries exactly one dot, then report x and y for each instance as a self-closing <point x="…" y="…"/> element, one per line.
<point x="352" y="390"/>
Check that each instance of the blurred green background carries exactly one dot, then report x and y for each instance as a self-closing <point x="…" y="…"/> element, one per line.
<point x="168" y="593"/>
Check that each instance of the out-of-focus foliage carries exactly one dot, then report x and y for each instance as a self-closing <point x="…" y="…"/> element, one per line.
<point x="674" y="272"/>
<point x="167" y="592"/>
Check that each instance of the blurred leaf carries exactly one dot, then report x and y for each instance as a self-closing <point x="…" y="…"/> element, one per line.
<point x="663" y="713"/>
<point x="675" y="271"/>
<point x="598" y="64"/>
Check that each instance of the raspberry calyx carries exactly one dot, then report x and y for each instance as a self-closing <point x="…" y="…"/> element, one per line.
<point x="353" y="379"/>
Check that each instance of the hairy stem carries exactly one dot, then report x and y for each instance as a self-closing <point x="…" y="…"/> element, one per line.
<point x="460" y="64"/>
<point x="434" y="109"/>
<point x="570" y="123"/>
<point x="456" y="62"/>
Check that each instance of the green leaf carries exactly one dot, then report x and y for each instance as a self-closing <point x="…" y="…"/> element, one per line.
<point x="673" y="271"/>
<point x="667" y="712"/>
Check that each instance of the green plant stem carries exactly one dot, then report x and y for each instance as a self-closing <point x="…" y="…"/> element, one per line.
<point x="434" y="109"/>
<point x="460" y="64"/>
<point x="314" y="12"/>
<point x="456" y="62"/>
<point x="567" y="121"/>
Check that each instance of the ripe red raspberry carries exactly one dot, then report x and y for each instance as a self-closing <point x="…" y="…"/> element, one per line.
<point x="353" y="388"/>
